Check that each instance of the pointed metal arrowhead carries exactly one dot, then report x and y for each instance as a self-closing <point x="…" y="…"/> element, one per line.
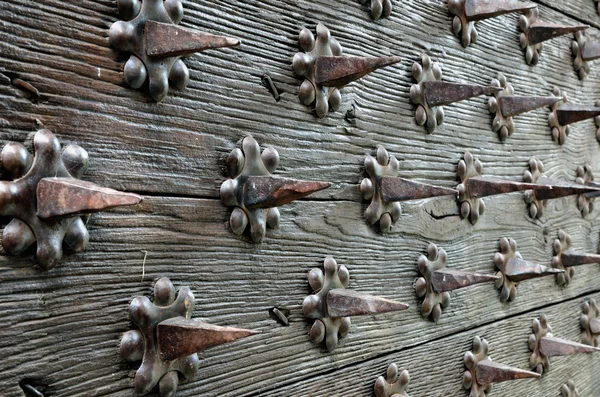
<point x="445" y="280"/>
<point x="337" y="71"/>
<point x="554" y="347"/>
<point x="518" y="270"/>
<point x="491" y="372"/>
<point x="571" y="258"/>
<point x="482" y="186"/>
<point x="169" y="40"/>
<point x="400" y="189"/>
<point x="541" y="31"/>
<point x="344" y="303"/>
<point x="551" y="188"/>
<point x="180" y="337"/>
<point x="570" y="113"/>
<point x="515" y="105"/>
<point x="476" y="10"/>
<point x="440" y="93"/>
<point x="595" y="325"/>
<point x="590" y="51"/>
<point x="269" y="191"/>
<point x="58" y="197"/>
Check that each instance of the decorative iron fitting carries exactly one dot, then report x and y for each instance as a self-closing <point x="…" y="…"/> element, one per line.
<point x="533" y="175"/>
<point x="590" y="323"/>
<point x="543" y="346"/>
<point x="394" y="384"/>
<point x="325" y="70"/>
<point x="379" y="8"/>
<point x="565" y="258"/>
<point x="585" y="202"/>
<point x="437" y="281"/>
<point x="430" y="93"/>
<point x="167" y="340"/>
<point x="482" y="372"/>
<point x="597" y="122"/>
<point x="563" y="113"/>
<point x="536" y="32"/>
<point x="331" y="305"/>
<point x="256" y="194"/>
<point x="156" y="44"/>
<point x="583" y="52"/>
<point x="467" y="12"/>
<point x="505" y="105"/>
<point x="385" y="190"/>
<point x="512" y="269"/>
<point x="45" y="199"/>
<point x="569" y="389"/>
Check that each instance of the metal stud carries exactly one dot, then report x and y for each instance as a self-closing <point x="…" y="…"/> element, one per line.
<point x="565" y="258"/>
<point x="564" y="113"/>
<point x="437" y="281"/>
<point x="167" y="340"/>
<point x="394" y="384"/>
<point x="590" y="323"/>
<point x="569" y="389"/>
<point x="156" y="44"/>
<point x="45" y="199"/>
<point x="379" y="8"/>
<point x="325" y="70"/>
<point x="256" y="194"/>
<point x="331" y="305"/>
<point x="543" y="346"/>
<point x="583" y="52"/>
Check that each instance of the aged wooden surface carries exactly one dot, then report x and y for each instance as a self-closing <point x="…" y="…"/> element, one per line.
<point x="61" y="329"/>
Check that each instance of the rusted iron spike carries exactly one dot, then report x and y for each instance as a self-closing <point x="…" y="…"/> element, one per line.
<point x="60" y="197"/>
<point x="511" y="105"/>
<point x="441" y="93"/>
<point x="570" y="113"/>
<point x="590" y="51"/>
<point x="179" y="337"/>
<point x="346" y="303"/>
<point x="492" y="372"/>
<point x="477" y="10"/>
<point x="571" y="258"/>
<point x="445" y="280"/>
<point x="269" y="191"/>
<point x="169" y="40"/>
<point x="400" y="189"/>
<point x="518" y="269"/>
<point x="553" y="188"/>
<point x="337" y="71"/>
<point x="542" y="31"/>
<point x="554" y="347"/>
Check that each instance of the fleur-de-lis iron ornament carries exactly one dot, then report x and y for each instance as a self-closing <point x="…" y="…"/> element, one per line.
<point x="430" y="93"/>
<point x="533" y="175"/>
<point x="331" y="305"/>
<point x="563" y="114"/>
<point x="467" y="12"/>
<point x="590" y="323"/>
<point x="437" y="281"/>
<point x="167" y="339"/>
<point x="543" y="346"/>
<point x="255" y="193"/>
<point x="512" y="269"/>
<point x="584" y="51"/>
<point x="156" y="43"/>
<point x="565" y="258"/>
<point x="394" y="384"/>
<point x="569" y="389"/>
<point x="46" y="198"/>
<point x="585" y="202"/>
<point x="505" y="105"/>
<point x="535" y="32"/>
<point x="325" y="70"/>
<point x="482" y="372"/>
<point x="379" y="8"/>
<point x="385" y="190"/>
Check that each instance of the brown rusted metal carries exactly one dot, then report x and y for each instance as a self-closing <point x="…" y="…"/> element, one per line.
<point x="47" y="186"/>
<point x="437" y="281"/>
<point x="330" y="306"/>
<point x="535" y="32"/>
<point x="400" y="189"/>
<point x="166" y="340"/>
<point x="583" y="52"/>
<point x="590" y="323"/>
<point x="482" y="372"/>
<point x="62" y="197"/>
<point x="570" y="113"/>
<point x="468" y="11"/>
<point x="512" y="269"/>
<point x="441" y="93"/>
<point x="556" y="347"/>
<point x="569" y="389"/>
<point x="256" y="194"/>
<point x="379" y="8"/>
<point x="325" y="70"/>
<point x="156" y="44"/>
<point x="394" y="384"/>
<point x="515" y="105"/>
<point x="565" y="257"/>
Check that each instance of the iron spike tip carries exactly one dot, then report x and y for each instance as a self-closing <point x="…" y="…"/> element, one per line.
<point x="445" y="280"/>
<point x="170" y="40"/>
<point x="483" y="186"/>
<point x="400" y="189"/>
<point x="553" y="347"/>
<point x="518" y="269"/>
<point x="60" y="197"/>
<point x="570" y="113"/>
<point x="572" y="258"/>
<point x="541" y="31"/>
<point x="477" y="10"/>
<point x="269" y="191"/>
<point x="441" y="93"/>
<point x="515" y="105"/>
<point x="180" y="337"/>
<point x="337" y="71"/>
<point x="344" y="303"/>
<point x="551" y="188"/>
<point x="489" y="372"/>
